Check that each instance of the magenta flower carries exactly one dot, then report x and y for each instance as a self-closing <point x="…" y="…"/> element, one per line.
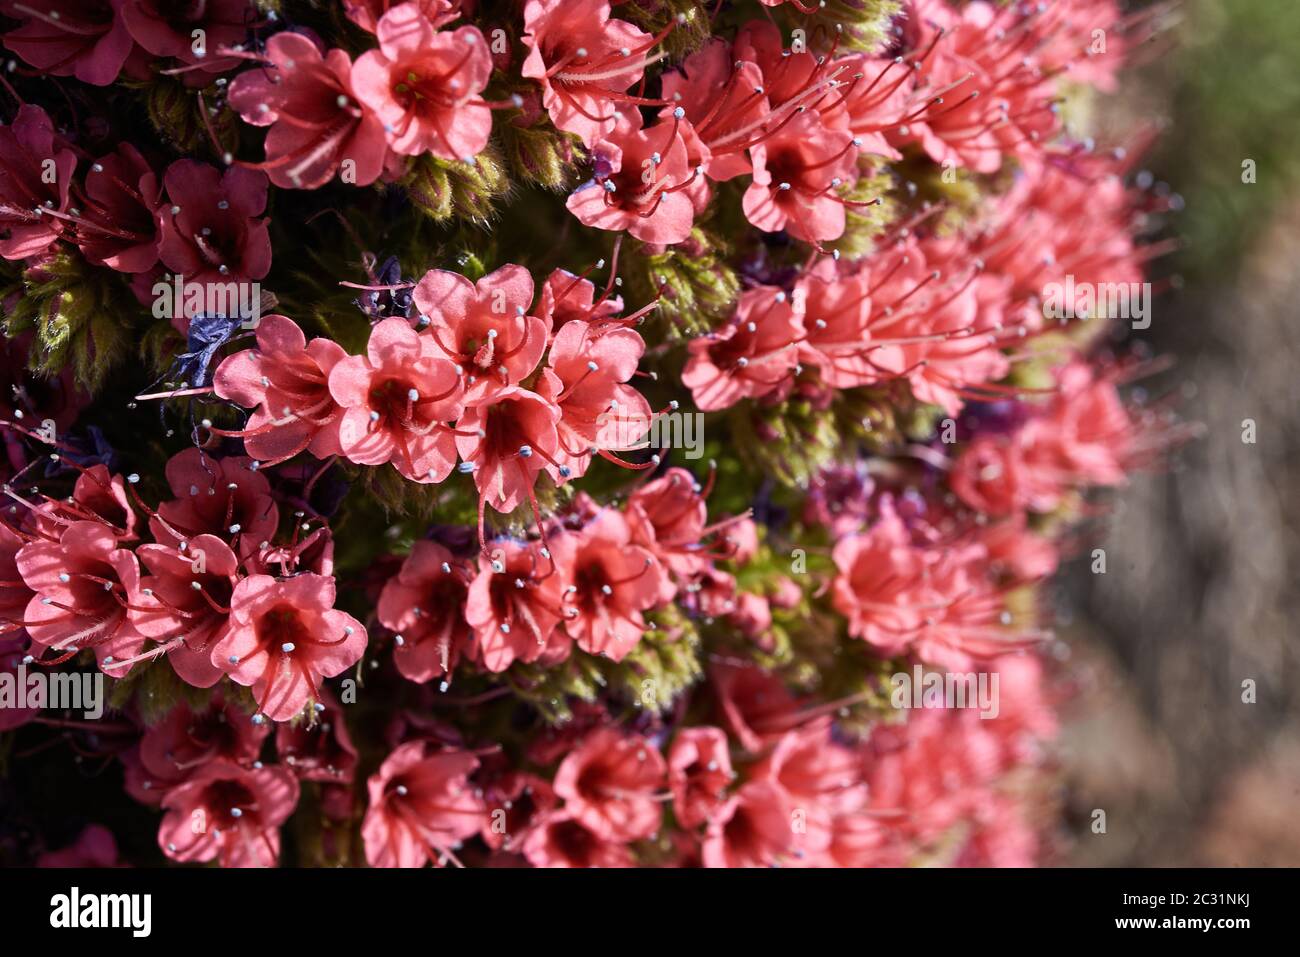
<point x="31" y="206"/>
<point x="87" y="39"/>
<point x="210" y="232"/>
<point x="119" y="226"/>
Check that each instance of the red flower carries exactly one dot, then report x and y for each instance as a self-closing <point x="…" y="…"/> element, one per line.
<point x="87" y="39"/>
<point x="210" y="232"/>
<point x="167" y="29"/>
<point x="284" y="638"/>
<point x="119" y="224"/>
<point x="612" y="582"/>
<point x="609" y="783"/>
<point x="395" y="400"/>
<point x="286" y="380"/>
<point x="421" y="807"/>
<point x="226" y="497"/>
<point x="228" y="813"/>
<point x="426" y="605"/>
<point x="424" y="85"/>
<point x="31" y="202"/>
<point x="316" y="122"/>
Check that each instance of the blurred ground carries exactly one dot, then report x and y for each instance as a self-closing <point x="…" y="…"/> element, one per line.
<point x="1200" y="594"/>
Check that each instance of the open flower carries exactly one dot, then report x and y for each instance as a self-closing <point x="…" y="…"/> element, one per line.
<point x="609" y="783"/>
<point x="506" y="444"/>
<point x="750" y="357"/>
<point x="421" y="807"/>
<point x="286" y="381"/>
<point x="396" y="400"/>
<point x="424" y="85"/>
<point x="284" y="638"/>
<point x="210" y="231"/>
<point x="88" y="39"/>
<point x="425" y="604"/>
<point x="28" y="144"/>
<point x="118" y="225"/>
<point x="559" y="839"/>
<point x="228" y="813"/>
<point x="514" y="605"/>
<point x="316" y="122"/>
<point x="699" y="773"/>
<point x="225" y="497"/>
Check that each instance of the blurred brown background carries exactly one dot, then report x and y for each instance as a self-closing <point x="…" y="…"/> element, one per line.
<point x="1200" y="591"/>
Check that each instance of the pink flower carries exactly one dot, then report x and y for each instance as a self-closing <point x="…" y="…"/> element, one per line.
<point x="284" y="638"/>
<point x="167" y="29"/>
<point x="184" y="605"/>
<point x="421" y="807"/>
<point x="88" y="39"/>
<point x="699" y="773"/>
<point x="506" y="444"/>
<point x="367" y="13"/>
<point x="796" y="174"/>
<point x="27" y="145"/>
<point x="97" y="496"/>
<point x="210" y="232"/>
<point x="821" y="778"/>
<point x="641" y="183"/>
<point x="612" y="582"/>
<point x="755" y="705"/>
<point x="424" y="85"/>
<point x="426" y="604"/>
<point x="560" y="839"/>
<point x="609" y="783"/>
<point x="668" y="516"/>
<point x="322" y="750"/>
<point x="514" y="605"/>
<point x="119" y="223"/>
<point x="226" y="497"/>
<point x="724" y="105"/>
<point x="316" y="123"/>
<point x="565" y="297"/>
<point x="751" y="356"/>
<point x="396" y="400"/>
<point x="878" y="585"/>
<point x="185" y="740"/>
<point x="81" y="583"/>
<point x="483" y="327"/>
<point x="585" y="376"/>
<point x="228" y="813"/>
<point x="286" y="380"/>
<point x="584" y="62"/>
<point x="752" y="829"/>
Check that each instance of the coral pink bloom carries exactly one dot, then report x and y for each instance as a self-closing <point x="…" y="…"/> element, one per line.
<point x="752" y="829"/>
<point x="185" y="740"/>
<point x="642" y="183"/>
<point x="396" y="400"/>
<point x="565" y="297"/>
<point x="424" y="85"/>
<point x="210" y="232"/>
<point x="751" y="356"/>
<point x="183" y="604"/>
<point x="609" y="783"/>
<point x="612" y="582"/>
<point x="506" y="444"/>
<point x="367" y="13"/>
<point x="87" y="39"/>
<point x="991" y="476"/>
<point x="425" y="604"/>
<point x="560" y="839"/>
<point x="699" y="772"/>
<point x="316" y="122"/>
<point x="796" y="174"/>
<point x="821" y="777"/>
<point x="228" y="813"/>
<point x="519" y="800"/>
<point x="668" y="516"/>
<point x="586" y="374"/>
<point x="286" y="380"/>
<point x="422" y="807"/>
<point x="584" y="62"/>
<point x="875" y="101"/>
<point x="754" y="704"/>
<point x="514" y="605"/>
<point x="1086" y="427"/>
<point x="284" y="638"/>
<point x="724" y="105"/>
<point x="25" y="147"/>
<point x="837" y="310"/>
<point x="94" y="847"/>
<point x="322" y="750"/>
<point x="118" y="225"/>
<point x="878" y="585"/>
<point x="81" y="584"/>
<point x="483" y="327"/>
<point x="97" y="496"/>
<point x="226" y="497"/>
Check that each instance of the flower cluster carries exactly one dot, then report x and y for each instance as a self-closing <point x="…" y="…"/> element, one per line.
<point x="434" y="544"/>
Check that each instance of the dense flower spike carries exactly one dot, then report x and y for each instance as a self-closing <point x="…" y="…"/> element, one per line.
<point x="672" y="381"/>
